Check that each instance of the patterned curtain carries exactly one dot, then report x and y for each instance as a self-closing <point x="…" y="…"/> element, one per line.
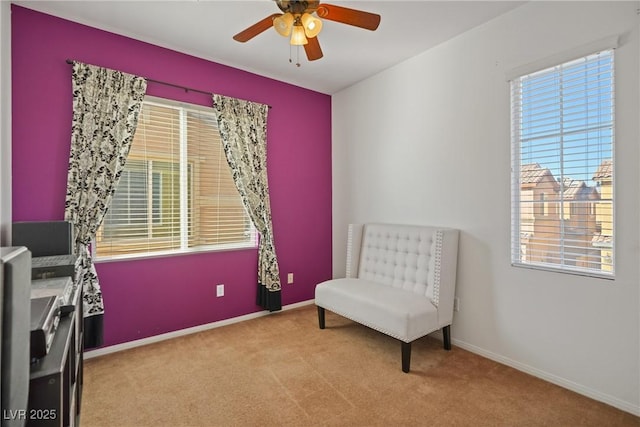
<point x="243" y="128"/>
<point x="106" y="104"/>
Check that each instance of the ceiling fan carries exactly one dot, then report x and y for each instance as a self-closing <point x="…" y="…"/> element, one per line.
<point x="299" y="23"/>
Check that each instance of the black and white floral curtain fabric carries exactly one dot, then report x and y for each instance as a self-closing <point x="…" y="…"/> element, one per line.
<point x="243" y="128"/>
<point x="106" y="104"/>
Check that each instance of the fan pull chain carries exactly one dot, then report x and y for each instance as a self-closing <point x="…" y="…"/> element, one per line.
<point x="297" y="56"/>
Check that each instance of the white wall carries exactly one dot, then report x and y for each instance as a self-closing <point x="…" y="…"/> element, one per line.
<point x="428" y="142"/>
<point x="5" y="122"/>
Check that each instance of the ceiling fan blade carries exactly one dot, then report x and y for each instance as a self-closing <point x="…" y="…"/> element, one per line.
<point x="312" y="49"/>
<point x="357" y="18"/>
<point x="255" y="29"/>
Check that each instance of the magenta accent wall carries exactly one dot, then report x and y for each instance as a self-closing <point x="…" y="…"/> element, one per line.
<point x="153" y="296"/>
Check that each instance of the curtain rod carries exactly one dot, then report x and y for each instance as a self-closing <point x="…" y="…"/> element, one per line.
<point x="186" y="89"/>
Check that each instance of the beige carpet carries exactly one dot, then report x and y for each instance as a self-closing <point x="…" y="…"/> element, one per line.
<point x="281" y="370"/>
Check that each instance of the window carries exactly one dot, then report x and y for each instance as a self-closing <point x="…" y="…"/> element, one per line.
<point x="541" y="207"/>
<point x="137" y="208"/>
<point x="176" y="193"/>
<point x="562" y="163"/>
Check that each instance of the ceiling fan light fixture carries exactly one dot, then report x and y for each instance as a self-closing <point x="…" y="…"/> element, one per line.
<point x="283" y="24"/>
<point x="302" y="20"/>
<point x="312" y="26"/>
<point x="297" y="36"/>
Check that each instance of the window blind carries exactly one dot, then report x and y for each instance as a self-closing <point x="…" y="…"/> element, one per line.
<point x="563" y="167"/>
<point x="176" y="193"/>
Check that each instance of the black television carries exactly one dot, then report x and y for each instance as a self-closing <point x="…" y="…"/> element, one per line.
<point x="44" y="238"/>
<point x="15" y="302"/>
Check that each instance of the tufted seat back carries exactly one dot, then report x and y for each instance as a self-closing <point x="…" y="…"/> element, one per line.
<point x="404" y="257"/>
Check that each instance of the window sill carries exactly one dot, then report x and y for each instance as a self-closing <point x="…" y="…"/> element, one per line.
<point x="173" y="253"/>
<point x="566" y="270"/>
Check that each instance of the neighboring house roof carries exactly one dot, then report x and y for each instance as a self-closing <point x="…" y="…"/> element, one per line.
<point x="602" y="241"/>
<point x="578" y="190"/>
<point x="572" y="188"/>
<point x="605" y="170"/>
<point x="533" y="174"/>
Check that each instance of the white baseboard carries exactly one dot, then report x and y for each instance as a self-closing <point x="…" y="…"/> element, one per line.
<point x="554" y="379"/>
<point x="169" y="335"/>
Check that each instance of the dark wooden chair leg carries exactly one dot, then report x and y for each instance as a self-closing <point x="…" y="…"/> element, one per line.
<point x="446" y="334"/>
<point x="321" y="317"/>
<point x="406" y="356"/>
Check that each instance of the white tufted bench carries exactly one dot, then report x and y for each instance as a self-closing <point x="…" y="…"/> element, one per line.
<point x="400" y="281"/>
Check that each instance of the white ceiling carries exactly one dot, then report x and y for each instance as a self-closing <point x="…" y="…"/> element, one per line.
<point x="205" y="28"/>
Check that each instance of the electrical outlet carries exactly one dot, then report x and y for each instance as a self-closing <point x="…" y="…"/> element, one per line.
<point x="456" y="304"/>
<point x="220" y="290"/>
<point x="289" y="278"/>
